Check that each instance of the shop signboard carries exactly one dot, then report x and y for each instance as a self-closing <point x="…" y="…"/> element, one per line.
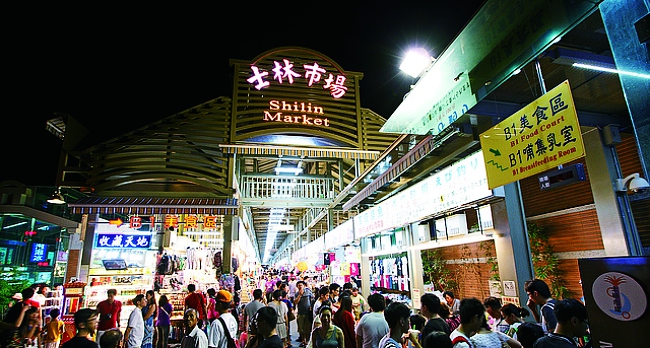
<point x="38" y="253"/>
<point x="460" y="183"/>
<point x="343" y="234"/>
<point x="123" y="240"/>
<point x="539" y="137"/>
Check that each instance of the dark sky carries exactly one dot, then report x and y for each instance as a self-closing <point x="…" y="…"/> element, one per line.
<point x="116" y="70"/>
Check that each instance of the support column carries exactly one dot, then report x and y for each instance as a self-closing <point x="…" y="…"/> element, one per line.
<point x="230" y="233"/>
<point x="364" y="268"/>
<point x="87" y="237"/>
<point x="415" y="264"/>
<point x="602" y="173"/>
<point x="511" y="242"/>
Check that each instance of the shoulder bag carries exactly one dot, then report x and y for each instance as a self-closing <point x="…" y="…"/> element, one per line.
<point x="229" y="339"/>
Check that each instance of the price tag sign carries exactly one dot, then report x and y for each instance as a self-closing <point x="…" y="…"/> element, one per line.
<point x="123" y="280"/>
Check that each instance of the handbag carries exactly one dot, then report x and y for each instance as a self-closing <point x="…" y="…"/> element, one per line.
<point x="291" y="315"/>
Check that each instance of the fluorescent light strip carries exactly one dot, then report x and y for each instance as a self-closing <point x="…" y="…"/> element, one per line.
<point x="615" y="71"/>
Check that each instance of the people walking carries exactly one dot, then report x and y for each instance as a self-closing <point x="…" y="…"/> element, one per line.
<point x="513" y="315"/>
<point x="303" y="301"/>
<point x="163" y="321"/>
<point x="193" y="337"/>
<point x="223" y="329"/>
<point x="372" y="327"/>
<point x="266" y="322"/>
<point x="252" y="307"/>
<point x="397" y="316"/>
<point x="327" y="335"/>
<point x="496" y="320"/>
<point x="429" y="307"/>
<point x="53" y="330"/>
<point x="196" y="300"/>
<point x="344" y="319"/>
<point x="134" y="333"/>
<point x="282" y="313"/>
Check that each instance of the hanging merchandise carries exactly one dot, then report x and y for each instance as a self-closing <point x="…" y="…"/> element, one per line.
<point x="389" y="276"/>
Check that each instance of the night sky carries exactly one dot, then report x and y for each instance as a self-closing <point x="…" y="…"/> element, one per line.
<point x="116" y="70"/>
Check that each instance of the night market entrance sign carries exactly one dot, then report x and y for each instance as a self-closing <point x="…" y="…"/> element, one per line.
<point x="296" y="111"/>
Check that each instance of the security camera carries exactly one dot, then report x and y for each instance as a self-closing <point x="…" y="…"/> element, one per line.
<point x="636" y="183"/>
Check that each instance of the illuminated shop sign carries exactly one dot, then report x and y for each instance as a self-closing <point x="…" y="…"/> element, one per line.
<point x="123" y="240"/>
<point x="39" y="252"/>
<point x="277" y="109"/>
<point x="461" y="183"/>
<point x="284" y="72"/>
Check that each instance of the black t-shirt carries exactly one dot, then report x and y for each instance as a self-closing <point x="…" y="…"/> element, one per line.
<point x="435" y="324"/>
<point x="80" y="342"/>
<point x="272" y="342"/>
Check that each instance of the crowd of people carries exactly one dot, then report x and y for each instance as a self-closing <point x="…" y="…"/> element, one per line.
<point x="325" y="315"/>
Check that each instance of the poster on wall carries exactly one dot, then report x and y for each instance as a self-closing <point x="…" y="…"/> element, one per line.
<point x="616" y="297"/>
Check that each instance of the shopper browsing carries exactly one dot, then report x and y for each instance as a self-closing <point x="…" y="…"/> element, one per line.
<point x="109" y="313"/>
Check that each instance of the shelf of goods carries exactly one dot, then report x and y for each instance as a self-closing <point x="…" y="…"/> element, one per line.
<point x="128" y="284"/>
<point x="53" y="299"/>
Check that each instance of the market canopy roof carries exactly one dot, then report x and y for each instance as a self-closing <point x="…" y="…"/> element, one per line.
<point x="254" y="149"/>
<point x="133" y="205"/>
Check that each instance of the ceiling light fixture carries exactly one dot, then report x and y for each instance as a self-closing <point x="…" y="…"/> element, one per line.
<point x="57" y="197"/>
<point x="610" y="70"/>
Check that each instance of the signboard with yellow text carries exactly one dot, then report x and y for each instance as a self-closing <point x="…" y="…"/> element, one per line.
<point x="539" y="137"/>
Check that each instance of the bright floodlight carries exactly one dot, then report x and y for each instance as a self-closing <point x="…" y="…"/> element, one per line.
<point x="415" y="62"/>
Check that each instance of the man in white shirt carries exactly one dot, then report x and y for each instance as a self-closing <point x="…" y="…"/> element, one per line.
<point x="373" y="326"/>
<point x="134" y="333"/>
<point x="217" y="337"/>
<point x="191" y="319"/>
<point x="40" y="293"/>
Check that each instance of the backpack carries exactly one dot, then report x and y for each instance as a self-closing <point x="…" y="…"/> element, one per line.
<point x="459" y="339"/>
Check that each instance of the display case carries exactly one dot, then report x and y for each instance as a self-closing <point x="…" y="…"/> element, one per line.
<point x="73" y="293"/>
<point x="53" y="299"/>
<point x="128" y="283"/>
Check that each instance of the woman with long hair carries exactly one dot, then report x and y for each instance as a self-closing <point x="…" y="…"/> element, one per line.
<point x="148" y="312"/>
<point x="327" y="335"/>
<point x="283" y="315"/>
<point x="26" y="335"/>
<point x="163" y="322"/>
<point x="344" y="318"/>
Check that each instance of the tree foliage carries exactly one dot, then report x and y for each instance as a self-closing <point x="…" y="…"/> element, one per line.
<point x="545" y="261"/>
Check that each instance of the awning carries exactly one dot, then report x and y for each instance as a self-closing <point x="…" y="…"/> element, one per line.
<point x="145" y="206"/>
<point x="414" y="155"/>
<point x="254" y="149"/>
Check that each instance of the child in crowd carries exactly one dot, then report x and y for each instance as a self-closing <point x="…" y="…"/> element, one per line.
<point x="53" y="330"/>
